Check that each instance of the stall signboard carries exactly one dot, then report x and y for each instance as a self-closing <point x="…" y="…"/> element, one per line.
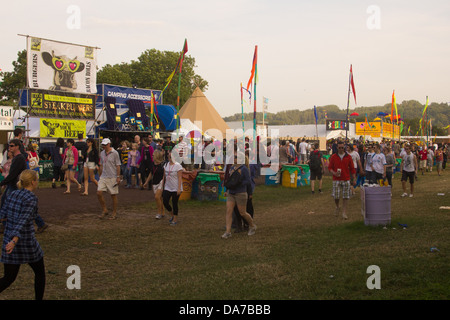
<point x="123" y="94"/>
<point x="63" y="105"/>
<point x="6" y="118"/>
<point x="368" y="129"/>
<point x="58" y="128"/>
<point x="337" y="125"/>
<point x="60" y="66"/>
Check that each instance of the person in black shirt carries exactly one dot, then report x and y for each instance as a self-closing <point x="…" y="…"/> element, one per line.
<point x="157" y="176"/>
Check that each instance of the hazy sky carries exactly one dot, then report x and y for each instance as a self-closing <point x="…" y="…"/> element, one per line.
<point x="305" y="48"/>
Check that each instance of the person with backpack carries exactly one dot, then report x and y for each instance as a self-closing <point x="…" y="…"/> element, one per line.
<point x="238" y="184"/>
<point x="316" y="166"/>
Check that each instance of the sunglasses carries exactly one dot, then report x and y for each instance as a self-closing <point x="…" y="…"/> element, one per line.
<point x="12" y="145"/>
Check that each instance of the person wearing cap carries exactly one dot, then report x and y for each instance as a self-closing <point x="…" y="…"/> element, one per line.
<point x="109" y="172"/>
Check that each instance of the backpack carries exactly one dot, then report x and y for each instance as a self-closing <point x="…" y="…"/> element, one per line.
<point x="315" y="160"/>
<point x="234" y="179"/>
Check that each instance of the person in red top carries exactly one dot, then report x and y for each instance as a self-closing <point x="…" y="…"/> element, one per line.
<point x="342" y="168"/>
<point x="423" y="154"/>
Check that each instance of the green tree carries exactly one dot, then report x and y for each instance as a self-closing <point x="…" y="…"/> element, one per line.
<point x="151" y="70"/>
<point x="117" y="74"/>
<point x="14" y="80"/>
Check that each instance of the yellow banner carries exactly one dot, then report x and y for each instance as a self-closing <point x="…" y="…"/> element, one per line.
<point x="378" y="129"/>
<point x="53" y="97"/>
<point x="56" y="128"/>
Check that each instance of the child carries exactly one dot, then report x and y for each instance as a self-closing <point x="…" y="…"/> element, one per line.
<point x="133" y="167"/>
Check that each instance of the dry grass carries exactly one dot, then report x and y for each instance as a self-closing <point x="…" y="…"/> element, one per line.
<point x="300" y="251"/>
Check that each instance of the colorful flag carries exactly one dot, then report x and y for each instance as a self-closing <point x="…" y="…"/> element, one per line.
<point x="185" y="49"/>
<point x="352" y="83"/>
<point x="394" y="106"/>
<point x="178" y="66"/>
<point x="254" y="72"/>
<point x="315" y="113"/>
<point x="425" y="109"/>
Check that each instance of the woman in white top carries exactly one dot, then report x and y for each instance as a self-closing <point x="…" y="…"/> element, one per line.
<point x="172" y="187"/>
<point x="378" y="163"/>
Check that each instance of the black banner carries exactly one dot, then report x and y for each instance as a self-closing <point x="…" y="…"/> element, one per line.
<point x="62" y="105"/>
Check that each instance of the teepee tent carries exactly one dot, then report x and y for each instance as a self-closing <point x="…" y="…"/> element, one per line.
<point x="198" y="108"/>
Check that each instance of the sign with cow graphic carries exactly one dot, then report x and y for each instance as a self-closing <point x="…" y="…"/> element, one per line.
<point x="58" y="128"/>
<point x="59" y="66"/>
<point x="55" y="104"/>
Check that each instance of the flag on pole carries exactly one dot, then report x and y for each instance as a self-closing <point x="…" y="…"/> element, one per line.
<point x="315" y="113"/>
<point x="178" y="66"/>
<point x="253" y="73"/>
<point x="394" y="106"/>
<point x="425" y="109"/>
<point x="352" y="83"/>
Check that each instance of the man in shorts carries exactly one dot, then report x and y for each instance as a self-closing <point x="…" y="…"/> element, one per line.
<point x="342" y="168"/>
<point x="408" y="168"/>
<point x="109" y="172"/>
<point x="423" y="154"/>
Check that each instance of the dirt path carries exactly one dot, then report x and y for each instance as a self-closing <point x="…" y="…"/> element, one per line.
<point x="57" y="207"/>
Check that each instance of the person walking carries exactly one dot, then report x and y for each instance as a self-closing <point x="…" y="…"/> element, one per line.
<point x="173" y="187"/>
<point x="58" y="174"/>
<point x="19" y="242"/>
<point x="408" y="169"/>
<point x="145" y="161"/>
<point x="439" y="159"/>
<point x="90" y="165"/>
<point x="390" y="163"/>
<point x="70" y="158"/>
<point x="378" y="164"/>
<point x="81" y="146"/>
<point x="109" y="172"/>
<point x="342" y="168"/>
<point x="238" y="188"/>
<point x="157" y="177"/>
<point x="316" y="166"/>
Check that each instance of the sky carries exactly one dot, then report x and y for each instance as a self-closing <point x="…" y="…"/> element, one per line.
<point x="305" y="48"/>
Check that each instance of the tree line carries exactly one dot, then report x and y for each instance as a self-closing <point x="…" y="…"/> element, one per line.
<point x="409" y="110"/>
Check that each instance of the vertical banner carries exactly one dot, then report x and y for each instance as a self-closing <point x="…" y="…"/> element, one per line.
<point x="53" y="65"/>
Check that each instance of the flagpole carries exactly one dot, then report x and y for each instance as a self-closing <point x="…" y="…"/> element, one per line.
<point x="242" y="111"/>
<point x="348" y="104"/>
<point x="254" y="99"/>
<point x="426" y="123"/>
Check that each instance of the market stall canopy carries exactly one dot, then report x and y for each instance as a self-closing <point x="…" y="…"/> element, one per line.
<point x="198" y="108"/>
<point x="354" y="114"/>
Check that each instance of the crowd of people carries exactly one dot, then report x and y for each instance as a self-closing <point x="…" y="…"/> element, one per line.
<point x="147" y="164"/>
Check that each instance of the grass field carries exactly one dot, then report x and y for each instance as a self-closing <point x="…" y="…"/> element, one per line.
<point x="301" y="251"/>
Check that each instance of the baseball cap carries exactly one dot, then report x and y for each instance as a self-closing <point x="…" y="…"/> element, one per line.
<point x="105" y="141"/>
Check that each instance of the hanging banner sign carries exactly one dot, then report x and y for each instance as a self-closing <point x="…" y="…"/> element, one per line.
<point x="56" y="128"/>
<point x="53" y="65"/>
<point x="123" y="94"/>
<point x="53" y="104"/>
<point x="337" y="125"/>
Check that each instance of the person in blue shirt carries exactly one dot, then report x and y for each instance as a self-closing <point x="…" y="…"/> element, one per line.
<point x="19" y="242"/>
